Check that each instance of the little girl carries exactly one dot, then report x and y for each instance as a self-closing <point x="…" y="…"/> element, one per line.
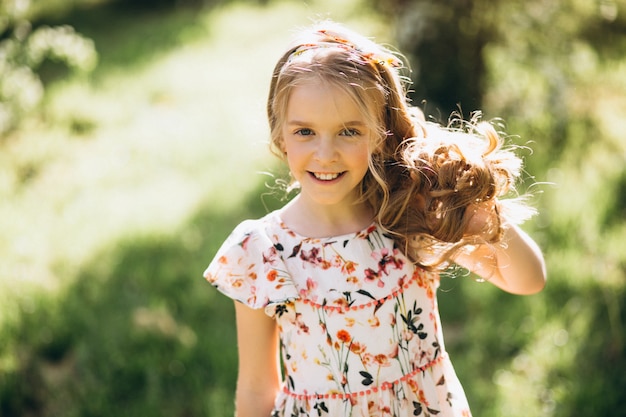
<point x="342" y="280"/>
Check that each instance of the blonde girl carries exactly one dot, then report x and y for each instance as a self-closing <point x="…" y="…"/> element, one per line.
<point x="336" y="291"/>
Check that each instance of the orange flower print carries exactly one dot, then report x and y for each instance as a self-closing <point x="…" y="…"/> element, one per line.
<point x="341" y="303"/>
<point x="344" y="336"/>
<point x="401" y="281"/>
<point x="272" y="274"/>
<point x="422" y="398"/>
<point x="251" y="271"/>
<point x="424" y="281"/>
<point x="367" y="359"/>
<point x="373" y="321"/>
<point x="357" y="348"/>
<point x="252" y="299"/>
<point x="352" y="279"/>
<point x="413" y="384"/>
<point x="336" y="262"/>
<point x="348" y="268"/>
<point x="382" y="360"/>
<point x="210" y="277"/>
<point x="430" y="293"/>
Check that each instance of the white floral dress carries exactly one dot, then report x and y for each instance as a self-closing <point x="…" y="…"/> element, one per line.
<point x="360" y="331"/>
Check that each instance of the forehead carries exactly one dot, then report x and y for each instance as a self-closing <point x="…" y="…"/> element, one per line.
<point x="319" y="101"/>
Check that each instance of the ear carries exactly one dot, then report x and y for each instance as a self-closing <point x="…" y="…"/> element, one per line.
<point x="282" y="147"/>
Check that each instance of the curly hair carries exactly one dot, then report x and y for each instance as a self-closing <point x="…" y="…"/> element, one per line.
<point x="453" y="169"/>
<point x="422" y="176"/>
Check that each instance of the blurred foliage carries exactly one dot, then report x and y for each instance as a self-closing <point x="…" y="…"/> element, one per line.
<point x="23" y="51"/>
<point x="444" y="43"/>
<point x="38" y="43"/>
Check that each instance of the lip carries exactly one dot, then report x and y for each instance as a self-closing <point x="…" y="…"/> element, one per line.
<point x="326" y="177"/>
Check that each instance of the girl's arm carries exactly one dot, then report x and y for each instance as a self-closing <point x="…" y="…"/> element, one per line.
<point x="259" y="374"/>
<point x="516" y="264"/>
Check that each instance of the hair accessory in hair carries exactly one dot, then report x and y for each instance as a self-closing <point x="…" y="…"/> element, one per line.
<point x="335" y="41"/>
<point x="378" y="58"/>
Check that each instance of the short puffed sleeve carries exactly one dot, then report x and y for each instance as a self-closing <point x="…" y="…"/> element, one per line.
<point x="249" y="268"/>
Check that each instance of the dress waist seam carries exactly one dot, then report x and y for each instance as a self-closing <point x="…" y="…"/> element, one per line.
<point x="382" y="387"/>
<point x="377" y="302"/>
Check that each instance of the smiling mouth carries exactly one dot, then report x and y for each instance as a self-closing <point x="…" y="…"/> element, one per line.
<point x="327" y="176"/>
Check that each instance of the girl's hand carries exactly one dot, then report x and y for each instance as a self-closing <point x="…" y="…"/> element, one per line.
<point x="506" y="257"/>
<point x="483" y="222"/>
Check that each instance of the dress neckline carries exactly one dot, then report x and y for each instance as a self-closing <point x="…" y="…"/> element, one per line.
<point x="344" y="236"/>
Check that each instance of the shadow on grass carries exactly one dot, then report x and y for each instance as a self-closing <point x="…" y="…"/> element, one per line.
<point x="139" y="333"/>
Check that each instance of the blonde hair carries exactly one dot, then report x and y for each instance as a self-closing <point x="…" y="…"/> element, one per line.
<point x="422" y="176"/>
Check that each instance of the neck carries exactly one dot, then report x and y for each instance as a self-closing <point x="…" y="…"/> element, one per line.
<point x="325" y="221"/>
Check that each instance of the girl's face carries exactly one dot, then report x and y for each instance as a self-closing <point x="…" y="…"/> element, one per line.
<point x="327" y="144"/>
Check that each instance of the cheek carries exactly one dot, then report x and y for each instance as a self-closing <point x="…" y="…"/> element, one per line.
<point x="362" y="155"/>
<point x="293" y="156"/>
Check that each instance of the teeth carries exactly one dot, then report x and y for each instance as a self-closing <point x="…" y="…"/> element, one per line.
<point x="325" y="177"/>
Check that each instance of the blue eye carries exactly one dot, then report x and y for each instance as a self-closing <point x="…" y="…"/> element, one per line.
<point x="350" y="132"/>
<point x="304" y="132"/>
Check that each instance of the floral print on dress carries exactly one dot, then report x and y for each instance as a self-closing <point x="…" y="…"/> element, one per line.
<point x="359" y="326"/>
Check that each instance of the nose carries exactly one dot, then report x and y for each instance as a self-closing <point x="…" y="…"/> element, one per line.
<point x="326" y="151"/>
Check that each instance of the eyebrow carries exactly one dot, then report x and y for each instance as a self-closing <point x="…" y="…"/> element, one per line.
<point x="303" y="123"/>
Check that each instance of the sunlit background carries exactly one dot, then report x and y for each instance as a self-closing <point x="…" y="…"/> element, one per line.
<point x="133" y="139"/>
